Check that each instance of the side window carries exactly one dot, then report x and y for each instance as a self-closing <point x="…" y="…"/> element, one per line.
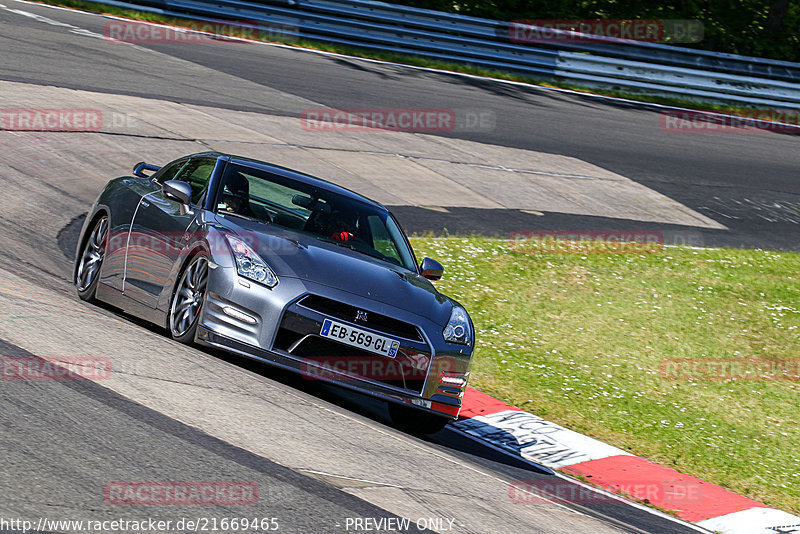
<point x="197" y="173"/>
<point x="169" y="172"/>
<point x="382" y="240"/>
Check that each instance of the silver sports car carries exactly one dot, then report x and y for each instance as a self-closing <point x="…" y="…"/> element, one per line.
<point x="279" y="266"/>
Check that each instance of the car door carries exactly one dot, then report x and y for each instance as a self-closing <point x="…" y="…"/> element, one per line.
<point x="160" y="229"/>
<point x="124" y="200"/>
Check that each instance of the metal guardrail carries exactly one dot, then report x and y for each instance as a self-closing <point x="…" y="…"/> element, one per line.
<point x="493" y="29"/>
<point x="605" y="62"/>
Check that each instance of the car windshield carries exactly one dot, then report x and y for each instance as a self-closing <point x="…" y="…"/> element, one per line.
<point x="328" y="216"/>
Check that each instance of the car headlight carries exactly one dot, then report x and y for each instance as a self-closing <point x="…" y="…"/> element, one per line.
<point x="458" y="329"/>
<point x="249" y="264"/>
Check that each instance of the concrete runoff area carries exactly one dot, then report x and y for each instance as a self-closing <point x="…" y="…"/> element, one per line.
<point x="395" y="168"/>
<point x="290" y="428"/>
<point x="49" y="181"/>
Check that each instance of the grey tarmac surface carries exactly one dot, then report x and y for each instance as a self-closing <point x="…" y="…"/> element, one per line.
<point x="213" y="416"/>
<point x="745" y="181"/>
<point x="336" y="439"/>
<point x="107" y="440"/>
<point x="151" y="418"/>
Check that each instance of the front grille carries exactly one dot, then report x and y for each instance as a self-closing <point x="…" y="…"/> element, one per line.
<point x="376" y="321"/>
<point x="298" y="335"/>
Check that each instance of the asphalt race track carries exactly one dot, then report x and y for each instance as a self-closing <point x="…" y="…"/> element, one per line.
<point x="320" y="458"/>
<point x="745" y="181"/>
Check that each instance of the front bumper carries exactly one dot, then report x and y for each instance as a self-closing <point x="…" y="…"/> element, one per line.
<point x="278" y="327"/>
<point x="449" y="407"/>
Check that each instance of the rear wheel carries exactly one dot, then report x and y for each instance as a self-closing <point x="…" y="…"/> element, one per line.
<point x="187" y="302"/>
<point x="416" y="421"/>
<point x="90" y="260"/>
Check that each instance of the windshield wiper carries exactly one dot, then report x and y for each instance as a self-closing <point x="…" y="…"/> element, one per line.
<point x="242" y="216"/>
<point x="376" y="254"/>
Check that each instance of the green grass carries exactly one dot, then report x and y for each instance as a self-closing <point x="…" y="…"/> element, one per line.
<point x="412" y="60"/>
<point x="579" y="340"/>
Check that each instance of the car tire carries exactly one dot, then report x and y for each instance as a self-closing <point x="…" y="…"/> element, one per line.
<point x="188" y="300"/>
<point x="90" y="259"/>
<point x="415" y="421"/>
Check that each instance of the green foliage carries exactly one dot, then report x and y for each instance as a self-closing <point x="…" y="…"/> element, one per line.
<point x="749" y="27"/>
<point x="584" y="340"/>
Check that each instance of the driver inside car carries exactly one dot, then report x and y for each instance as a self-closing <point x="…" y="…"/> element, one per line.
<point x="343" y="228"/>
<point x="236" y="196"/>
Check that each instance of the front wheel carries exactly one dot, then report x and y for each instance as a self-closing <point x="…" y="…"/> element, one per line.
<point x="416" y="421"/>
<point x="187" y="301"/>
<point x="90" y="260"/>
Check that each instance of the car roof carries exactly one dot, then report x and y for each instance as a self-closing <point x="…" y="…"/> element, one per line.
<point x="293" y="175"/>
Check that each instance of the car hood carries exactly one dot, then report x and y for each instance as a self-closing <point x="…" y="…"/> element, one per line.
<point x="296" y="255"/>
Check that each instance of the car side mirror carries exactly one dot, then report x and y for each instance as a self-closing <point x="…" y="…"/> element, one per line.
<point x="142" y="166"/>
<point x="431" y="269"/>
<point x="177" y="191"/>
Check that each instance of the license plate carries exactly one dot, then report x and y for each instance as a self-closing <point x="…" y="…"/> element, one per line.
<point x="359" y="338"/>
